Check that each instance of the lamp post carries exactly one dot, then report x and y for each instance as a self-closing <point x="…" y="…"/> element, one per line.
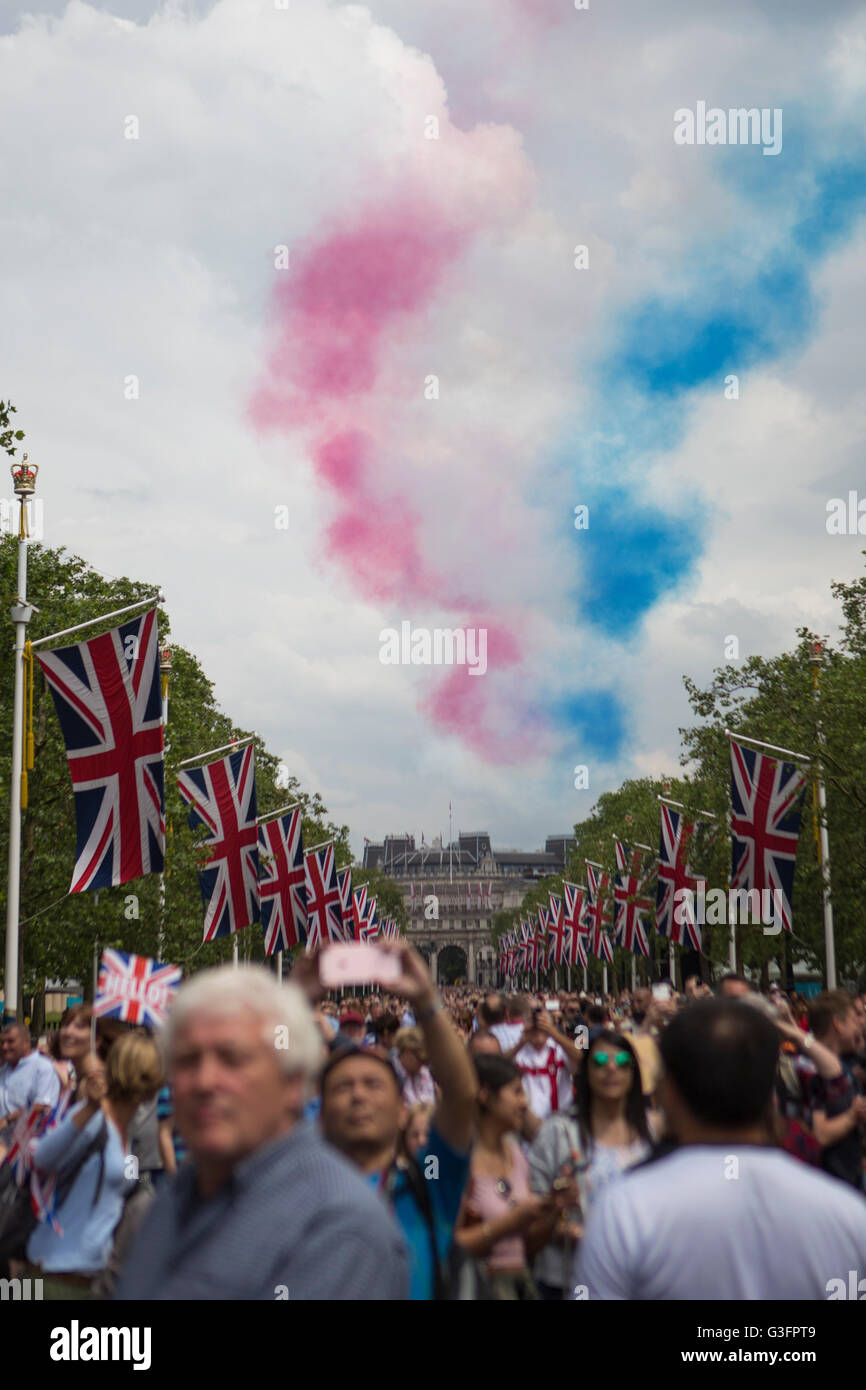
<point x="24" y="485"/>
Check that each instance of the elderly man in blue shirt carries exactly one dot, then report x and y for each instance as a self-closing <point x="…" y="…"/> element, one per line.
<point x="264" y="1209"/>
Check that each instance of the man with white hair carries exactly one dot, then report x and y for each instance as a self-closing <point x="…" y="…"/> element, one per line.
<point x="265" y="1209"/>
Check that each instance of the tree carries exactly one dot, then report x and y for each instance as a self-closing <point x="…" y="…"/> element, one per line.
<point x="59" y="931"/>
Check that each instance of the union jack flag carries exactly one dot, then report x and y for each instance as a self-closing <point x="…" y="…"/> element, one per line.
<point x="766" y="796"/>
<point x="630" y="900"/>
<point x="577" y="950"/>
<point x="674" y="877"/>
<point x="134" y="989"/>
<point x="559" y="947"/>
<point x="602" y="947"/>
<point x="368" y="929"/>
<point x="43" y="1186"/>
<point x="323" y="898"/>
<point x="359" y="911"/>
<point x="597" y="913"/>
<point x="540" y="951"/>
<point x="20" y="1154"/>
<point x="283" y="882"/>
<point x="223" y="798"/>
<point x="107" y="696"/>
<point x="574" y="900"/>
<point x="344" y="884"/>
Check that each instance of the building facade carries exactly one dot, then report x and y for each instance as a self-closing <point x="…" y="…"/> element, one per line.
<point x="452" y="892"/>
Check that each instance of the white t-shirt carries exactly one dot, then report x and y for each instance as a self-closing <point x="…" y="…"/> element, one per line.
<point x="508" y="1034"/>
<point x="722" y="1222"/>
<point x="546" y="1078"/>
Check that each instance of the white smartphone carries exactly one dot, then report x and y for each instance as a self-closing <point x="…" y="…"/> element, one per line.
<point x="661" y="991"/>
<point x="357" y="963"/>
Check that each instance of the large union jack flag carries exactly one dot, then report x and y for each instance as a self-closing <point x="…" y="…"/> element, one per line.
<point x="107" y="696"/>
<point x="323" y="898"/>
<point x="283" y="882"/>
<point x="630" y="900"/>
<point x="134" y="989"/>
<point x="601" y="945"/>
<point x="766" y="797"/>
<point x="675" y="907"/>
<point x="223" y="798"/>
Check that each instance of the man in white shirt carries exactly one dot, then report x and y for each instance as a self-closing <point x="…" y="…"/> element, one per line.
<point x="510" y="1033"/>
<point x="26" y="1079"/>
<point x="726" y="1215"/>
<point x="547" y="1060"/>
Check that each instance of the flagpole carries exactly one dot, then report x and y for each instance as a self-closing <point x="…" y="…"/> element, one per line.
<point x="24" y="485"/>
<point x="235" y="950"/>
<point x="829" y="937"/>
<point x="272" y="815"/>
<point x="212" y="752"/>
<point x="280" y="966"/>
<point x="103" y="618"/>
<point x="164" y="672"/>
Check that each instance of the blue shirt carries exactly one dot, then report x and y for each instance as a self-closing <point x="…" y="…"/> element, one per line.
<point x="294" y="1221"/>
<point x="446" y="1172"/>
<point x="32" y="1082"/>
<point x="88" y="1225"/>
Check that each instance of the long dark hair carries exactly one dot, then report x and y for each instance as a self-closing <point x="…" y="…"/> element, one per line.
<point x="635" y="1109"/>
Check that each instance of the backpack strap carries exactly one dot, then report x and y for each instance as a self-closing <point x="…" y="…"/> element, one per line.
<point x="421" y="1195"/>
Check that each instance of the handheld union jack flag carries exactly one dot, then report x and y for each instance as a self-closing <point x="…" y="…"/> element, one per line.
<point x="323" y="898"/>
<point x="223" y="798"/>
<point x="107" y="696"/>
<point x="630" y="901"/>
<point x="675" y="907"/>
<point x="134" y="989"/>
<point x="766" y="796"/>
<point x="283" y="882"/>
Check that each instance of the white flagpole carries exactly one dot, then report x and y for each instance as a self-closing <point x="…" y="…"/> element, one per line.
<point x="165" y="672"/>
<point x="280" y="966"/>
<point x="212" y="752"/>
<point x="103" y="618"/>
<point x="235" y="950"/>
<point x="24" y="484"/>
<point x="829" y="937"/>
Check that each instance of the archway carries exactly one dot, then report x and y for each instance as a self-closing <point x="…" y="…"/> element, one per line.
<point x="451" y="965"/>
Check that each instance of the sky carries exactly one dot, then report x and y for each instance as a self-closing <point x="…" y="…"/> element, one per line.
<point x="328" y="317"/>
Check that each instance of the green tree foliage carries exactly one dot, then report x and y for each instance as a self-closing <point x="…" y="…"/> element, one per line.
<point x="59" y="930"/>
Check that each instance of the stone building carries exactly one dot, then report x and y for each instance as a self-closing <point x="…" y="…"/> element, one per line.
<point x="452" y="892"/>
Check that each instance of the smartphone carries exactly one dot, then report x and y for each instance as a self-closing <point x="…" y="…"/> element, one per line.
<point x="661" y="991"/>
<point x="552" y="1005"/>
<point x="357" y="963"/>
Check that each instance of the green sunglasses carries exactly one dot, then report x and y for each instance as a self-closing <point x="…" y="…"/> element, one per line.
<point x="622" y="1059"/>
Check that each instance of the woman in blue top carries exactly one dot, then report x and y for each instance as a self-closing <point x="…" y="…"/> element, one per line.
<point x="90" y="1145"/>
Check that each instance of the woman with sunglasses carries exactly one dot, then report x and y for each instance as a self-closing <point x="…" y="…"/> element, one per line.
<point x="584" y="1150"/>
<point x="501" y="1224"/>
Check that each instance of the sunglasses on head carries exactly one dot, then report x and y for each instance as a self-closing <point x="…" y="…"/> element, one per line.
<point x="622" y="1059"/>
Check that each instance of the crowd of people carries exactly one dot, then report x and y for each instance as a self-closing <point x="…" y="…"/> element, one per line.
<point x="276" y="1142"/>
